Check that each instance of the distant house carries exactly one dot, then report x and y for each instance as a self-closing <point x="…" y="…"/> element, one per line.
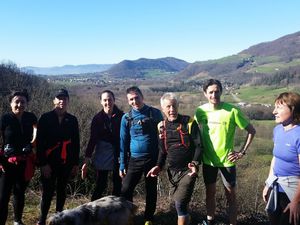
<point x="242" y="104"/>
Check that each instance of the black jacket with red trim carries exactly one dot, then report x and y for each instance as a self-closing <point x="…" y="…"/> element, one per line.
<point x="180" y="143"/>
<point x="53" y="136"/>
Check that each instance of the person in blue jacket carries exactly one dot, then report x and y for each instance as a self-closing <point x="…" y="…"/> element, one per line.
<point x="139" y="140"/>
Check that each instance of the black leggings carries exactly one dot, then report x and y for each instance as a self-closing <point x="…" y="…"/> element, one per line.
<point x="278" y="217"/>
<point x="56" y="182"/>
<point x="12" y="180"/>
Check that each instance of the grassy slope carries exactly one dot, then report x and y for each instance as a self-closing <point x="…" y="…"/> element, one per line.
<point x="273" y="66"/>
<point x="261" y="94"/>
<point x="165" y="212"/>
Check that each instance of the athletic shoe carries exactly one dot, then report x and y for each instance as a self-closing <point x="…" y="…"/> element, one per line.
<point x="207" y="222"/>
<point x="18" y="223"/>
<point x="40" y="223"/>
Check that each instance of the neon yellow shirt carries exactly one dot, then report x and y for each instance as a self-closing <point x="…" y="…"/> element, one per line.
<point x="218" y="129"/>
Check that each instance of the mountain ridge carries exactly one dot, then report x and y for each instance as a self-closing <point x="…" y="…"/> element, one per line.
<point x="288" y="44"/>
<point x="67" y="69"/>
<point x="139" y="67"/>
<point x="266" y="59"/>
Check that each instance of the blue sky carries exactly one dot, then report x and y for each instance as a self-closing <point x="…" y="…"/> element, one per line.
<point x="59" y="32"/>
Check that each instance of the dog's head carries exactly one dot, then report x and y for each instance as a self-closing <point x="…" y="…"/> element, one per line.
<point x="62" y="218"/>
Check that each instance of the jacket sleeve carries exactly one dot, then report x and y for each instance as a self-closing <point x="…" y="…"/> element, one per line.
<point x="196" y="139"/>
<point x="41" y="138"/>
<point x="159" y="116"/>
<point x="161" y="146"/>
<point x="76" y="143"/>
<point x="1" y="140"/>
<point x="124" y="142"/>
<point x="93" y="138"/>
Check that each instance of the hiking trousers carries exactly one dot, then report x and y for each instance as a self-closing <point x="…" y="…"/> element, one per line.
<point x="56" y="182"/>
<point x="136" y="168"/>
<point x="102" y="180"/>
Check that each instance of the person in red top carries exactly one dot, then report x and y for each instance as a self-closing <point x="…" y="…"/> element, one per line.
<point x="58" y="151"/>
<point x="105" y="144"/>
<point x="18" y="129"/>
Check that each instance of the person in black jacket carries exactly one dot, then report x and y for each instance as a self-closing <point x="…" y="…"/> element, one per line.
<point x="18" y="132"/>
<point x="180" y="146"/>
<point x="57" y="152"/>
<point x="105" y="143"/>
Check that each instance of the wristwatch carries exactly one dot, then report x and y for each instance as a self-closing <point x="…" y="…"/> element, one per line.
<point x="196" y="163"/>
<point x="243" y="152"/>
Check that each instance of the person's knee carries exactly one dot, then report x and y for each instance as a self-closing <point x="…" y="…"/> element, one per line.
<point x="126" y="193"/>
<point x="230" y="194"/>
<point x="151" y="185"/>
<point x="211" y="190"/>
<point x="47" y="193"/>
<point x="125" y="187"/>
<point x="181" y="208"/>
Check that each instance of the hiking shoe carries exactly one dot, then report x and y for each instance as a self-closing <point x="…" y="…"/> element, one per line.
<point x="40" y="223"/>
<point x="148" y="222"/>
<point x="207" y="222"/>
<point x="18" y="223"/>
<point x="210" y="222"/>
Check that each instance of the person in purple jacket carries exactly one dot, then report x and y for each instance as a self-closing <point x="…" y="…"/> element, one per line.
<point x="105" y="144"/>
<point x="283" y="183"/>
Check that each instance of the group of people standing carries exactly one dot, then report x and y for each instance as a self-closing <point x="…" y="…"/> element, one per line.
<point x="56" y="139"/>
<point x="142" y="142"/>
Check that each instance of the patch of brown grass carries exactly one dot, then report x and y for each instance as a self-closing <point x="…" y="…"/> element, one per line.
<point x="165" y="212"/>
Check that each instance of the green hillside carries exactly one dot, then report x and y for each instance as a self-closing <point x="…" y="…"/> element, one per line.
<point x="276" y="62"/>
<point x="262" y="94"/>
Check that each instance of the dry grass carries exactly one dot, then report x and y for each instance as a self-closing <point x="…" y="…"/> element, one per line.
<point x="165" y="211"/>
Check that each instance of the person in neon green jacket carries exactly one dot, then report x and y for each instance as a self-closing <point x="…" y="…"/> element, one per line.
<point x="218" y="121"/>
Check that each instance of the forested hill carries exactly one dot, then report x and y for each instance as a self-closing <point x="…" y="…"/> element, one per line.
<point x="41" y="94"/>
<point x="270" y="63"/>
<point x="143" y="66"/>
<point x="286" y="48"/>
<point x="12" y="78"/>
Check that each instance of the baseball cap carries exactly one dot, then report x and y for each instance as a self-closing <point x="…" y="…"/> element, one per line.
<point x="62" y="92"/>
